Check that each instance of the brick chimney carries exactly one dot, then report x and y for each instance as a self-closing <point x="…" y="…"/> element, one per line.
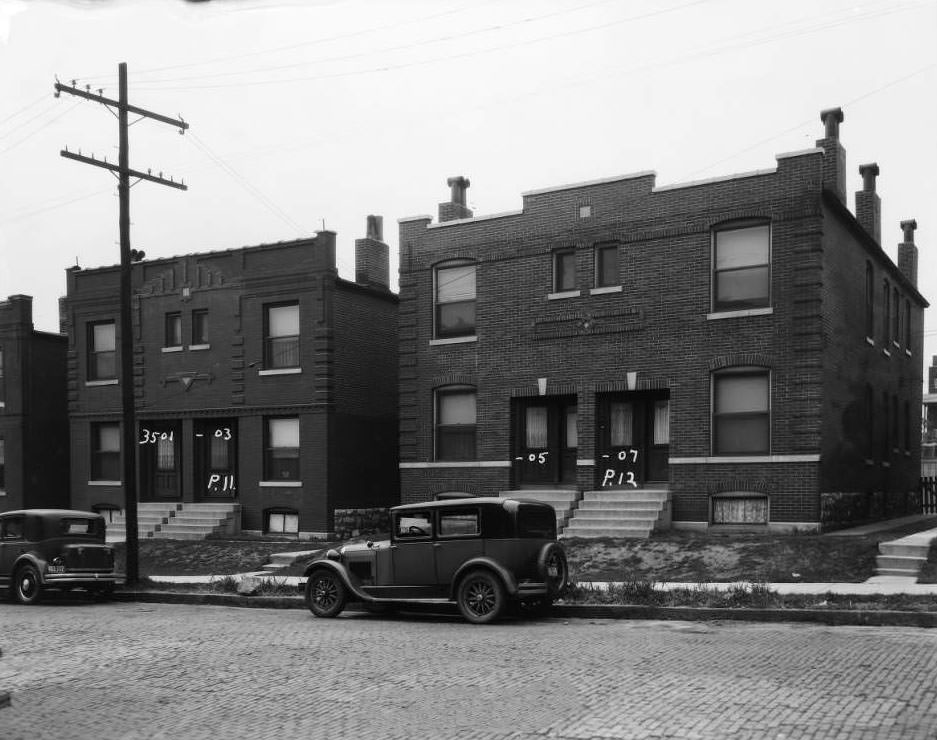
<point x="868" y="204"/>
<point x="456" y="207"/>
<point x="372" y="256"/>
<point x="907" y="252"/>
<point x="834" y="158"/>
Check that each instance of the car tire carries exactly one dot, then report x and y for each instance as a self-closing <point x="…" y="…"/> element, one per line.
<point x="325" y="593"/>
<point x="27" y="585"/>
<point x="553" y="556"/>
<point x="480" y="597"/>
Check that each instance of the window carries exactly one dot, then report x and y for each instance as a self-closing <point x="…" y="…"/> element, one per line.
<point x="281" y="462"/>
<point x="886" y="311"/>
<point x="870" y="422"/>
<point x="458" y="523"/>
<point x="907" y="331"/>
<point x="105" y="452"/>
<point x="907" y="427"/>
<point x="2" y="394"/>
<point x="413" y="524"/>
<point x="564" y="271"/>
<point x="869" y="301"/>
<point x="12" y="528"/>
<point x="3" y="480"/>
<point x="281" y="347"/>
<point x="200" y="327"/>
<point x="455" y="424"/>
<point x="741" y="412"/>
<point x="740" y="509"/>
<point x="102" y="351"/>
<point x="606" y="265"/>
<point x="173" y="330"/>
<point x="455" y="301"/>
<point x="741" y="268"/>
<point x="886" y="430"/>
<point x="896" y="317"/>
<point x="585" y="211"/>
<point x="285" y="521"/>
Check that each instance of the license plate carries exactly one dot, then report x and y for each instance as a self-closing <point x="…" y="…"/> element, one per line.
<point x="553" y="571"/>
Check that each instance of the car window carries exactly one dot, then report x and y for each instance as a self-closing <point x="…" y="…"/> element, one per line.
<point x="77" y="526"/>
<point x="12" y="529"/>
<point x="535" y="521"/>
<point x="458" y="523"/>
<point x="414" y="524"/>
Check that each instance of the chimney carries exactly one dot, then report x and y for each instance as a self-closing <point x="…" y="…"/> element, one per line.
<point x="834" y="157"/>
<point x="372" y="257"/>
<point x="868" y="204"/>
<point x="907" y="252"/>
<point x="455" y="208"/>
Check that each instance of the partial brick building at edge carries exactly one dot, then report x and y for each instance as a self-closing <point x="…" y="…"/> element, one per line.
<point x="261" y="379"/>
<point x="742" y="344"/>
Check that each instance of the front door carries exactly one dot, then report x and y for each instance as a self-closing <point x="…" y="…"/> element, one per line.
<point x="633" y="443"/>
<point x="160" y="466"/>
<point x="545" y="441"/>
<point x="216" y="459"/>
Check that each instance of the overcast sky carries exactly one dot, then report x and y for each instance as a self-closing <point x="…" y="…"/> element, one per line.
<point x="307" y="113"/>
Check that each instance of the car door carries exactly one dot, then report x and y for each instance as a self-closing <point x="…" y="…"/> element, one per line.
<point x="413" y="553"/>
<point x="458" y="539"/>
<point x="12" y="544"/>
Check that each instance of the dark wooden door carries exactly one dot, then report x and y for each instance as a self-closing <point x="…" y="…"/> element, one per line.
<point x="216" y="459"/>
<point x="633" y="443"/>
<point x="545" y="441"/>
<point x="160" y="463"/>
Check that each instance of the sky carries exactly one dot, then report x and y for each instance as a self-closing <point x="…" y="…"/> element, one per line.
<point x="312" y="114"/>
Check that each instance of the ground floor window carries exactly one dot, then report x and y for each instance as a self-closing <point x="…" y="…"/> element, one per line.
<point x="741" y="412"/>
<point x="107" y="510"/>
<point x="105" y="452"/>
<point x="740" y="509"/>
<point x="283" y="521"/>
<point x="281" y="461"/>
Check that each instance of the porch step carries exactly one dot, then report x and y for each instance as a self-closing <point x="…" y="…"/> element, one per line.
<point x="904" y="556"/>
<point x="563" y="500"/>
<point x="620" y="513"/>
<point x="898" y="562"/>
<point x="150" y="515"/>
<point x="196" y="521"/>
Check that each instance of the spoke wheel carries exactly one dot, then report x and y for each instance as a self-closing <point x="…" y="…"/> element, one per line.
<point x="480" y="597"/>
<point x="27" y="587"/>
<point x="325" y="593"/>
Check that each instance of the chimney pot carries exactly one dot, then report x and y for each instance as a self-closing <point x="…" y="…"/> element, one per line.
<point x="908" y="228"/>
<point x="375" y="228"/>
<point x="831" y="118"/>
<point x="458" y="186"/>
<point x="869" y="172"/>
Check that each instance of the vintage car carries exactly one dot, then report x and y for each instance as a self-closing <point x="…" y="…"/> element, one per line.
<point x="54" y="549"/>
<point x="481" y="553"/>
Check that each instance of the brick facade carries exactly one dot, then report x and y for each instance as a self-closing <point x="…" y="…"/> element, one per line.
<point x="33" y="416"/>
<point x="654" y="338"/>
<point x="207" y="402"/>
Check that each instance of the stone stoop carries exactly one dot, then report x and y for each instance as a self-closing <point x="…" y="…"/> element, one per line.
<point x="903" y="557"/>
<point x="151" y="515"/>
<point x="564" y="500"/>
<point x="196" y="521"/>
<point x="634" y="512"/>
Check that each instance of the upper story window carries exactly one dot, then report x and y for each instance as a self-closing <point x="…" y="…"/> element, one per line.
<point x="281" y="336"/>
<point x="907" y="331"/>
<point x="200" y="327"/>
<point x="886" y="311"/>
<point x="869" y="300"/>
<point x="105" y="452"/>
<point x="606" y="265"/>
<point x="455" y="300"/>
<point x="896" y="317"/>
<point x="173" y="330"/>
<point x="564" y="271"/>
<point x="281" y="461"/>
<point x="455" y="423"/>
<point x="741" y="267"/>
<point x="2" y="383"/>
<point x="102" y="351"/>
<point x="3" y="484"/>
<point x="741" y="423"/>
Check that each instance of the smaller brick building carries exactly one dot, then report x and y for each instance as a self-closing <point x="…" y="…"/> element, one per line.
<point x="33" y="411"/>
<point x="260" y="377"/>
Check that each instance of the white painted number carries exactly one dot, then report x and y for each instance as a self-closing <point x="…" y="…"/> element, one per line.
<point x="224" y="433"/>
<point x="154" y="437"/>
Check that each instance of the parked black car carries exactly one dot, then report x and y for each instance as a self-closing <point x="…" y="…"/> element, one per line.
<point x="54" y="549"/>
<point x="481" y="553"/>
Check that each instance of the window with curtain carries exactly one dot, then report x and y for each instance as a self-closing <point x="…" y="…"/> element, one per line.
<point x="741" y="268"/>
<point x="536" y="426"/>
<point x="740" y="509"/>
<point x="200" y="327"/>
<point x="165" y="454"/>
<point x="102" y="351"/>
<point x="282" y="522"/>
<point x="572" y="430"/>
<point x="455" y="423"/>
<point x="661" y="422"/>
<point x="621" y="424"/>
<point x="281" y="462"/>
<point x="741" y="412"/>
<point x="455" y="300"/>
<point x="105" y="452"/>
<point x="281" y="343"/>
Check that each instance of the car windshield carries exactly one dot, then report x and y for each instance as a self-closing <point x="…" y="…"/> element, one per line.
<point x="536" y="521"/>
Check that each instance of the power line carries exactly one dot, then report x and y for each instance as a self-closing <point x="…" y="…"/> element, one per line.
<point x="25" y="108"/>
<point x="36" y="131"/>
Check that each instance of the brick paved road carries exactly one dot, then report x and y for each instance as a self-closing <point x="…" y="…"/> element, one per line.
<point x="126" y="671"/>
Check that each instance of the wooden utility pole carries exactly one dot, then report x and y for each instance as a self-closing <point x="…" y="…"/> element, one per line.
<point x="124" y="173"/>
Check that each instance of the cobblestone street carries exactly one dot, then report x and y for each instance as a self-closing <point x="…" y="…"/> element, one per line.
<point x="125" y="671"/>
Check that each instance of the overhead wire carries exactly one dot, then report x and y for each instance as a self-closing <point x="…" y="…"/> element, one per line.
<point x="41" y="128"/>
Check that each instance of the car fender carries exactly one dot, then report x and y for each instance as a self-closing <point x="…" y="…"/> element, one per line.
<point x="339" y="569"/>
<point x="507" y="578"/>
<point x="38" y="563"/>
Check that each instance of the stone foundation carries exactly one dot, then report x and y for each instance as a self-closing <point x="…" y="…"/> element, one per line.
<point x="359" y="522"/>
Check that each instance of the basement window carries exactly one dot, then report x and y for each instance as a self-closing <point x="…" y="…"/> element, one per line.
<point x="740" y="508"/>
<point x="281" y="521"/>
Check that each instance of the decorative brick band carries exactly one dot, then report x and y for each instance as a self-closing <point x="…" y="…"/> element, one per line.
<point x="737" y="359"/>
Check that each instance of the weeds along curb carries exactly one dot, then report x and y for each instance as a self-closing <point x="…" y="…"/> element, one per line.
<point x="834" y="617"/>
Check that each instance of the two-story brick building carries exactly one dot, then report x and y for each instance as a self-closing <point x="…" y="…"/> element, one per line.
<point x="33" y="411"/>
<point x="735" y="351"/>
<point x="261" y="379"/>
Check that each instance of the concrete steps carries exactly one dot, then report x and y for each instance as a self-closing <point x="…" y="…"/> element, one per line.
<point x="905" y="556"/>
<point x="564" y="500"/>
<point x="620" y="513"/>
<point x="180" y="521"/>
<point x="150" y="516"/>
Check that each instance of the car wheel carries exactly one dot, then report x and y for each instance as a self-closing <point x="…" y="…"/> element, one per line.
<point x="555" y="570"/>
<point x="480" y="597"/>
<point x="325" y="593"/>
<point x="27" y="587"/>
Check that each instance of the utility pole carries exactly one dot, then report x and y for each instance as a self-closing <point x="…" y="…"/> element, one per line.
<point x="124" y="173"/>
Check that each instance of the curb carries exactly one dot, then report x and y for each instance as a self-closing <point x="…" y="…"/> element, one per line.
<point x="832" y="617"/>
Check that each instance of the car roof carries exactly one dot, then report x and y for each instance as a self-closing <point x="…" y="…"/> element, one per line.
<point x="451" y="503"/>
<point x="51" y="512"/>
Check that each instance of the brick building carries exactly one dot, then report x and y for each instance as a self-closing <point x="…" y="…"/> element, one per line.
<point x="261" y="379"/>
<point x="929" y="437"/>
<point x="33" y="411"/>
<point x="735" y="351"/>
